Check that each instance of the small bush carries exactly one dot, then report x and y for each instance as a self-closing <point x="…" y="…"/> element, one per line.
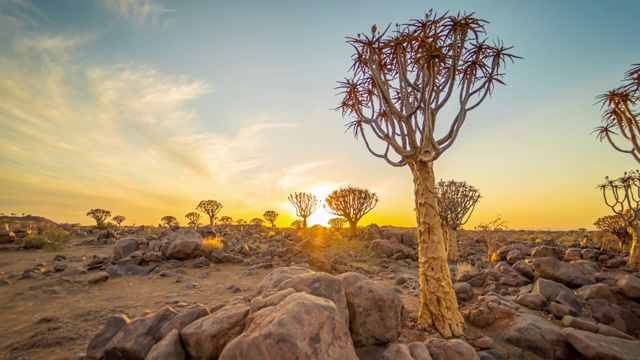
<point x="462" y="267"/>
<point x="211" y="243"/>
<point x="344" y="252"/>
<point x="53" y="239"/>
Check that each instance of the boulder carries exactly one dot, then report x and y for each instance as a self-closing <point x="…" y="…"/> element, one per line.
<point x="572" y="254"/>
<point x="629" y="287"/>
<point x="547" y="251"/>
<point x="464" y="291"/>
<point x="455" y="349"/>
<point x="184" y="318"/>
<point x="595" y="346"/>
<point x="96" y="347"/>
<point x="533" y="301"/>
<point x="592" y="326"/>
<point x="515" y="255"/>
<point x="280" y="275"/>
<point x="206" y="337"/>
<point x="350" y="279"/>
<point x="615" y="316"/>
<point x="169" y="347"/>
<point x="597" y="291"/>
<point x="322" y="285"/>
<point x="381" y="247"/>
<point x="501" y="254"/>
<point x="7" y="236"/>
<point x="409" y="238"/>
<point x="569" y="274"/>
<point x="553" y="291"/>
<point x="525" y="269"/>
<point x="376" y="313"/>
<point x="397" y="351"/>
<point x="137" y="337"/>
<point x="125" y="247"/>
<point x="183" y="244"/>
<point x="302" y="326"/>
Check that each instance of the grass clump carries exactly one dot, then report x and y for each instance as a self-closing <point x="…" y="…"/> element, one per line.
<point x="211" y="243"/>
<point x="53" y="239"/>
<point x="348" y="252"/>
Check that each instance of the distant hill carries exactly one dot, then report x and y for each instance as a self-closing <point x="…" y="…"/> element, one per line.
<point x="27" y="218"/>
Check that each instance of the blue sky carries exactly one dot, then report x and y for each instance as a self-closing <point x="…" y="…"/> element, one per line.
<point x="147" y="107"/>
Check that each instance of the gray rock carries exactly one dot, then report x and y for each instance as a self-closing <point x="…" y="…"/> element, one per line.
<point x="169" y="348"/>
<point x="629" y="287"/>
<point x="99" y="342"/>
<point x="569" y="274"/>
<point x="125" y="247"/>
<point x="278" y="276"/>
<point x="184" y="318"/>
<point x="397" y="351"/>
<point x="595" y="346"/>
<point x="455" y="349"/>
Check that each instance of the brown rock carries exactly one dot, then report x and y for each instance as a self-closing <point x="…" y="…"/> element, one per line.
<point x="98" y="278"/>
<point x="302" y="326"/>
<point x="534" y="300"/>
<point x="397" y="351"/>
<point x="97" y="345"/>
<point x="547" y="251"/>
<point x="125" y="247"/>
<point x="169" y="348"/>
<point x="206" y="337"/>
<point x="595" y="346"/>
<point x="376" y="313"/>
<point x="184" y="318"/>
<point x="569" y="274"/>
<point x="278" y="276"/>
<point x="629" y="287"/>
<point x="184" y="243"/>
<point x="419" y="351"/>
<point x="456" y="349"/>
<point x="350" y="279"/>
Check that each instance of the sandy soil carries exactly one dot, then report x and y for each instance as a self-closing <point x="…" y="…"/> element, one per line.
<point x="56" y="318"/>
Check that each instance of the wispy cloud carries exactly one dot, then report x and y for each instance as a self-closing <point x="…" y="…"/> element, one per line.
<point x="138" y="13"/>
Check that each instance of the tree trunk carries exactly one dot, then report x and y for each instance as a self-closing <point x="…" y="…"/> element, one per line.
<point x="634" y="254"/>
<point x="211" y="222"/>
<point x="438" y="302"/>
<point x="353" y="228"/>
<point x="453" y="244"/>
<point x="304" y="228"/>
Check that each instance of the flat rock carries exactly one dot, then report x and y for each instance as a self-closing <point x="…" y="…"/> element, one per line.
<point x="595" y="346"/>
<point x="570" y="274"/>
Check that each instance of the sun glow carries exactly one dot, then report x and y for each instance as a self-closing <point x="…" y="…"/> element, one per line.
<point x="321" y="216"/>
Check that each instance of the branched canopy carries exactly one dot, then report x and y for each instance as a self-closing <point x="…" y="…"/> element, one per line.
<point x="623" y="195"/>
<point x="226" y="220"/>
<point x="256" y="221"/>
<point x="99" y="215"/>
<point x="456" y="201"/>
<point x="305" y="204"/>
<point x="271" y="216"/>
<point x="169" y="220"/>
<point x="194" y="219"/>
<point x="402" y="79"/>
<point x="616" y="226"/>
<point x="119" y="219"/>
<point x="351" y="203"/>
<point x="337" y="223"/>
<point x="620" y="114"/>
<point x="209" y="207"/>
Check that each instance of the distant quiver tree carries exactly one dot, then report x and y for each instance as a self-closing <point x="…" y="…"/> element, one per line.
<point x="621" y="107"/>
<point x="456" y="201"/>
<point x="256" y="221"/>
<point x="623" y="197"/>
<point x="337" y="223"/>
<point x="211" y="208"/>
<point x="194" y="219"/>
<point x="399" y="84"/>
<point x="169" y="220"/>
<point x="305" y="204"/>
<point x="271" y="216"/>
<point x="119" y="219"/>
<point x="616" y="226"/>
<point x="351" y="203"/>
<point x="99" y="215"/>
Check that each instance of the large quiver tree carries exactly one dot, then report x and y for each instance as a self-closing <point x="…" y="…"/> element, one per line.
<point x="620" y="114"/>
<point x="615" y="225"/>
<point x="456" y="201"/>
<point x="351" y="203"/>
<point x="400" y="82"/>
<point x="623" y="197"/>
<point x="211" y="208"/>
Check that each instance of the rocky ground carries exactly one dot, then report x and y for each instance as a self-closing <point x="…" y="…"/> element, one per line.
<point x="137" y="295"/>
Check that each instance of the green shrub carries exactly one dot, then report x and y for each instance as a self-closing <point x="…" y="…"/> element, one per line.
<point x="53" y="239"/>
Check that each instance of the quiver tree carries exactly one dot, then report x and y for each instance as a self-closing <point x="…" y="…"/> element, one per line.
<point x="119" y="219"/>
<point x="305" y="204"/>
<point x="226" y="220"/>
<point x="620" y="114"/>
<point x="99" y="215"/>
<point x="169" y="220"/>
<point x="456" y="201"/>
<point x="211" y="208"/>
<point x="337" y="223"/>
<point x="297" y="224"/>
<point x="399" y="84"/>
<point x="623" y="197"/>
<point x="351" y="203"/>
<point x="194" y="219"/>
<point x="257" y="221"/>
<point x="271" y="216"/>
<point x="616" y="226"/>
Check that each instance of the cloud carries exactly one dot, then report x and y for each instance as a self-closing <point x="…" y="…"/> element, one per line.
<point x="139" y="13"/>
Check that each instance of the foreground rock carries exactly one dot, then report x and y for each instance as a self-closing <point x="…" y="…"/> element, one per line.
<point x="572" y="275"/>
<point x="595" y="346"/>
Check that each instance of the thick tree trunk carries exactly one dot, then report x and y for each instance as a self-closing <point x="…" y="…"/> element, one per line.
<point x="438" y="302"/>
<point x="353" y="228"/>
<point x="634" y="254"/>
<point x="304" y="228"/>
<point x="211" y="222"/>
<point x="452" y="251"/>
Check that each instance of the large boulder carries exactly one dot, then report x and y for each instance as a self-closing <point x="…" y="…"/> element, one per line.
<point x="7" y="236"/>
<point x="280" y="275"/>
<point x="501" y="253"/>
<point x="135" y="339"/>
<point x="322" y="285"/>
<point x="556" y="292"/>
<point x="596" y="346"/>
<point x="206" y="337"/>
<point x="301" y="326"/>
<point x="96" y="347"/>
<point x="547" y="251"/>
<point x="376" y="313"/>
<point x="615" y="316"/>
<point x="629" y="287"/>
<point x="381" y="247"/>
<point x="169" y="347"/>
<point x="455" y="349"/>
<point x="570" y="274"/>
<point x="183" y="244"/>
<point x="125" y="247"/>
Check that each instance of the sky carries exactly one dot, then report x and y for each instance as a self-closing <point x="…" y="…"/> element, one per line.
<point x="145" y="108"/>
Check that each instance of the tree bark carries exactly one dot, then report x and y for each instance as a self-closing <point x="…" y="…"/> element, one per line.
<point x="634" y="254"/>
<point x="452" y="251"/>
<point x="353" y="228"/>
<point x="438" y="302"/>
